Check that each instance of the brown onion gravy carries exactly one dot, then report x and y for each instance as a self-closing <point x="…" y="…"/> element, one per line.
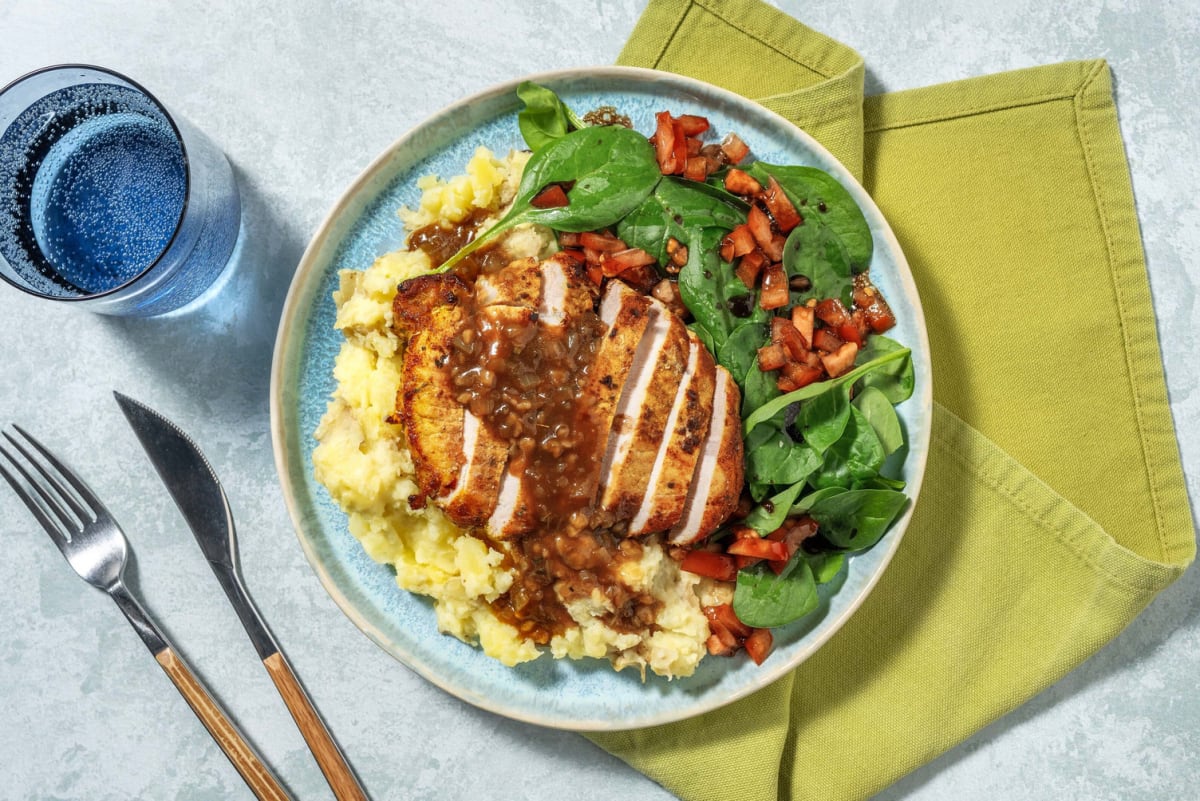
<point x="526" y="382"/>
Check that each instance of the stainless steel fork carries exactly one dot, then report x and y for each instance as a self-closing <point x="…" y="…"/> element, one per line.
<point x="94" y="545"/>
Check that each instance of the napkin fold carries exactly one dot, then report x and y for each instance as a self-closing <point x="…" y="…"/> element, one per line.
<point x="1054" y="507"/>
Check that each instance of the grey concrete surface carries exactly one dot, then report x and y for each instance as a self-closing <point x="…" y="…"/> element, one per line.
<point x="302" y="96"/>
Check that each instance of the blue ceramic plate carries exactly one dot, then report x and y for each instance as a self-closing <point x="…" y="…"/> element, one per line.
<point x="586" y="695"/>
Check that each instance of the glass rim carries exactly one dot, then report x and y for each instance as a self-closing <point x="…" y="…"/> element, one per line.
<point x="187" y="181"/>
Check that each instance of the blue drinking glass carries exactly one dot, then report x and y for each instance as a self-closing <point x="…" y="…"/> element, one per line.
<point x="106" y="199"/>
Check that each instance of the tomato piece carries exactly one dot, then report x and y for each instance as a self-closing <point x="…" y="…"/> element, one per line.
<point x="784" y="333"/>
<point x="717" y="566"/>
<point x="717" y="648"/>
<point x="774" y="293"/>
<point x="851" y="333"/>
<point x="840" y="360"/>
<point x="734" y="148"/>
<point x="574" y="253"/>
<point x="603" y="242"/>
<point x="737" y="242"/>
<point x="780" y="206"/>
<point x="879" y="315"/>
<point x="785" y="384"/>
<point x="693" y="146"/>
<point x="771" y="357"/>
<point x="831" y="312"/>
<point x="641" y="278"/>
<point x="824" y="339"/>
<point x="692" y="124"/>
<point x="802" y="318"/>
<point x="760" y="548"/>
<point x="664" y="143"/>
<point x="758" y="645"/>
<point x="552" y="197"/>
<point x="681" y="152"/>
<point x="696" y="168"/>
<point x="760" y="227"/>
<point x="741" y="183"/>
<point x="724" y="614"/>
<point x="594" y="273"/>
<point x="801" y="375"/>
<point x="567" y="239"/>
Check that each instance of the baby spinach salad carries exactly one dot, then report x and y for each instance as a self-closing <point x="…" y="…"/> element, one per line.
<point x="768" y="264"/>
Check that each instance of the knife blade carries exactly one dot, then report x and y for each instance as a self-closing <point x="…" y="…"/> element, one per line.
<point x="198" y="493"/>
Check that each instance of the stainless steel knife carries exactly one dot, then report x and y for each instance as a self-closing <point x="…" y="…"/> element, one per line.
<point x="199" y="495"/>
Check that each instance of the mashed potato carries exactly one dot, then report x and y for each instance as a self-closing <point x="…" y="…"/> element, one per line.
<point x="362" y="459"/>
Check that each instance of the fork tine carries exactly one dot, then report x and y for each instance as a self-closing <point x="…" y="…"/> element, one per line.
<point x="83" y="515"/>
<point x="46" y="493"/>
<point x="85" y="492"/>
<point x="51" y="527"/>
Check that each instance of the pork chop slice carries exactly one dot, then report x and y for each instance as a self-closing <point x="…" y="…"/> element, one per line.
<point x="717" y="482"/>
<point x="566" y="293"/>
<point x="686" y="430"/>
<point x="641" y="422"/>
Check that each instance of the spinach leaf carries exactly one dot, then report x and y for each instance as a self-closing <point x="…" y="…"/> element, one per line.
<point x="545" y="117"/>
<point x="764" y="600"/>
<point x="768" y="516"/>
<point x="674" y="207"/>
<point x="611" y="169"/>
<point x="806" y="503"/>
<point x="740" y="351"/>
<point x="823" y="419"/>
<point x="880" y="413"/>
<point x="826" y="566"/>
<point x="809" y="188"/>
<point x="759" y="388"/>
<point x="773" y="458"/>
<point x="895" y="380"/>
<point x="856" y="520"/>
<point x="881" y="482"/>
<point x="774" y="407"/>
<point x="815" y="252"/>
<point x="711" y="290"/>
<point x="857" y="456"/>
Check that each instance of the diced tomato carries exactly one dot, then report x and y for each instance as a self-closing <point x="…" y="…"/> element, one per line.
<point x="721" y="632"/>
<point x="641" y="278"/>
<point x="747" y="270"/>
<point x="851" y="333"/>
<point x="760" y="227"/>
<point x="724" y="614"/>
<point x="594" y="273"/>
<point x="879" y="315"/>
<point x="601" y="241"/>
<point x="567" y="239"/>
<point x="632" y="257"/>
<point x="758" y="645"/>
<point x="737" y="242"/>
<point x="802" y="318"/>
<point x="774" y="293"/>
<point x="771" y="357"/>
<point x="831" y="312"/>
<point x="717" y="566"/>
<point x="840" y="360"/>
<point x="681" y="152"/>
<point x="574" y="253"/>
<point x="784" y="333"/>
<point x="664" y="143"/>
<point x="760" y="548"/>
<point x="780" y="206"/>
<point x="785" y="384"/>
<point x="717" y="648"/>
<point x="794" y="531"/>
<point x="692" y="124"/>
<point x="741" y="183"/>
<point x="552" y="197"/>
<point x="801" y="375"/>
<point x="734" y="148"/>
<point x="696" y="168"/>
<point x="693" y="146"/>
<point x="824" y="339"/>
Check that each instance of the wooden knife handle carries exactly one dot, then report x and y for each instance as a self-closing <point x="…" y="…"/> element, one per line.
<point x="341" y="779"/>
<point x="257" y="775"/>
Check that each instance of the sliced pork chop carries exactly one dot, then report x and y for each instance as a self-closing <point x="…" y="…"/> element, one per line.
<point x="675" y="463"/>
<point x="566" y="292"/>
<point x="518" y="284"/>
<point x="641" y="421"/>
<point x="717" y="482"/>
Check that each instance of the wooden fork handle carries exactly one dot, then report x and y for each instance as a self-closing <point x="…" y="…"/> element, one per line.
<point x="341" y="779"/>
<point x="257" y="775"/>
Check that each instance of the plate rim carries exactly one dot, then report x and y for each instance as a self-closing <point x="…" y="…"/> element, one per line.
<point x="293" y="308"/>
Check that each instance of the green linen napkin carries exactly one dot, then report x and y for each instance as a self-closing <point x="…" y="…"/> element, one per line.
<point x="1054" y="507"/>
